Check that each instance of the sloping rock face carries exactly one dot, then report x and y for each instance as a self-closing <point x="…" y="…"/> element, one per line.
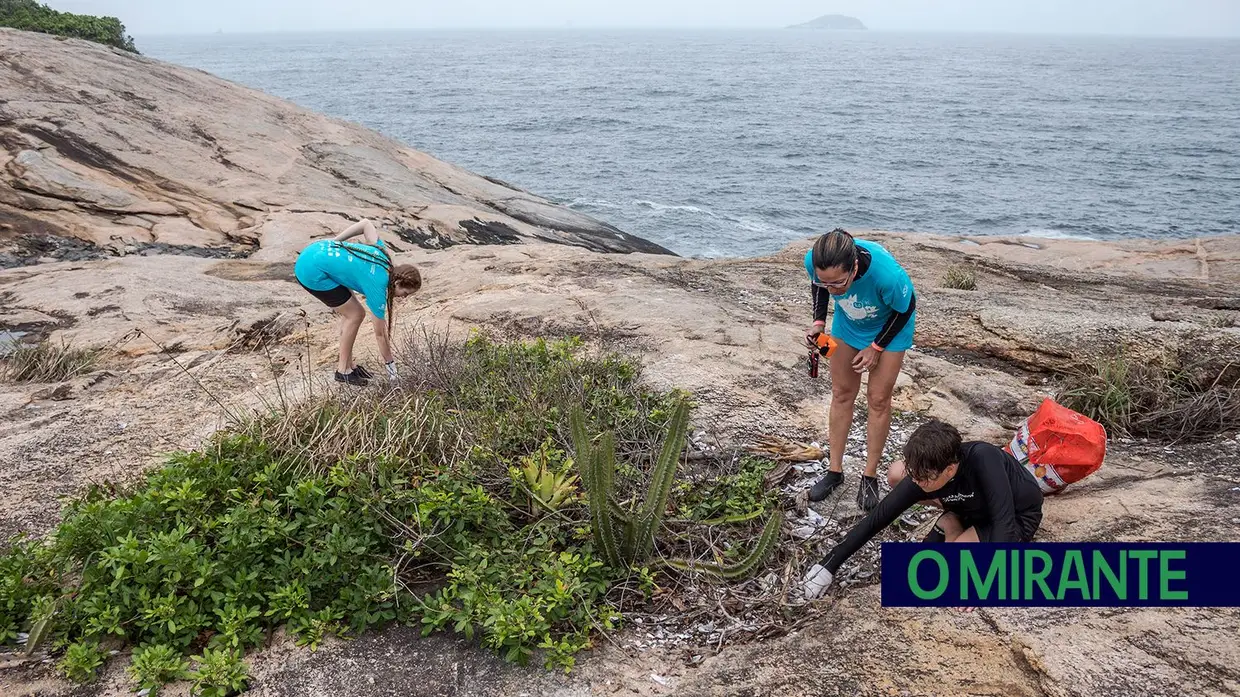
<point x="106" y="152"/>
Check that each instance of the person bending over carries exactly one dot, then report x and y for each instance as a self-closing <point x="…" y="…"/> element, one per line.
<point x="986" y="496"/>
<point x="333" y="270"/>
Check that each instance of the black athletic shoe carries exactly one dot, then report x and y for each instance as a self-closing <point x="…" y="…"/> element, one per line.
<point x="867" y="493"/>
<point x="360" y="371"/>
<point x="823" y="487"/>
<point x="351" y="378"/>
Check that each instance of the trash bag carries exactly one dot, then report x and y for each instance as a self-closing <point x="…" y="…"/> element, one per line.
<point x="1059" y="446"/>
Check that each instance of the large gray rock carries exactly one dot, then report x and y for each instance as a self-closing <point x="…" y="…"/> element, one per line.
<point x="117" y="150"/>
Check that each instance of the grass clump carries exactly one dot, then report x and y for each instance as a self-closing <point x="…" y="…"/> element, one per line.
<point x="450" y="504"/>
<point x="49" y="362"/>
<point x="960" y="277"/>
<point x="1173" y="398"/>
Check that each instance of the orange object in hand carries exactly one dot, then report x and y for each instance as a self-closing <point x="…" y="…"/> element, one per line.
<point x="822" y="345"/>
<point x="826" y="342"/>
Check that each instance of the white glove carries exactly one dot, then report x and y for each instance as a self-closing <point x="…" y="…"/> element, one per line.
<point x="391" y="370"/>
<point x="817" y="581"/>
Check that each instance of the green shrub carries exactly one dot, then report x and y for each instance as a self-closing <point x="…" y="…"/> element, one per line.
<point x="325" y="516"/>
<point x="729" y="498"/>
<point x="220" y="673"/>
<point x="525" y="595"/>
<point x="29" y="15"/>
<point x="82" y="661"/>
<point x="155" y="665"/>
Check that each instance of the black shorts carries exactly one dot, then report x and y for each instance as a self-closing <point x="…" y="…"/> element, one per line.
<point x="332" y="297"/>
<point x="1027" y="521"/>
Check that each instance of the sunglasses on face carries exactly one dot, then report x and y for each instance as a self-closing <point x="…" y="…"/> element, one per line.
<point x="836" y="284"/>
<point x="829" y="286"/>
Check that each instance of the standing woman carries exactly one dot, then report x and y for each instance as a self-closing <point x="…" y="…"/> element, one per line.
<point x="333" y="270"/>
<point x="875" y="308"/>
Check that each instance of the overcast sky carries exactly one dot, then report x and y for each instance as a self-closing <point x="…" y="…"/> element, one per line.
<point x="1141" y="17"/>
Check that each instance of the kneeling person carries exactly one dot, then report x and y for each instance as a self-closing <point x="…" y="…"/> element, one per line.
<point x="986" y="494"/>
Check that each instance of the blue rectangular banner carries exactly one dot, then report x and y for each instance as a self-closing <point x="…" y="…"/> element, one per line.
<point x="1061" y="574"/>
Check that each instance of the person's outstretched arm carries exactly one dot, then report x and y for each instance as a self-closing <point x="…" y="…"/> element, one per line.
<point x="885" y="513"/>
<point x="383" y="339"/>
<point x="362" y="227"/>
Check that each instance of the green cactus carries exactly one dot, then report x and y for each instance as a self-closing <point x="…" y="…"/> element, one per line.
<point x="597" y="471"/>
<point x="626" y="538"/>
<point x="745" y="567"/>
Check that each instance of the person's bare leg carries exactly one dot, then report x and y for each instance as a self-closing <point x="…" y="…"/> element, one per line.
<point x="968" y="535"/>
<point x="878" y="398"/>
<point x="951" y="526"/>
<point x="953" y="532"/>
<point x="351" y="316"/>
<point x="845" y="385"/>
<point x="895" y="473"/>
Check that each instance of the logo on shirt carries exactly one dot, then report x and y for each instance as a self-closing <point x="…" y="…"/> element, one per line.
<point x="855" y="310"/>
<point x="956" y="498"/>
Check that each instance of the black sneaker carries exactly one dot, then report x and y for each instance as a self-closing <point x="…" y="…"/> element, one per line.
<point x="360" y="371"/>
<point x="867" y="493"/>
<point x="823" y="487"/>
<point x="351" y="378"/>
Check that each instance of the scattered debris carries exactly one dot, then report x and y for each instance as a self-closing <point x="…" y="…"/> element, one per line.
<point x="783" y="450"/>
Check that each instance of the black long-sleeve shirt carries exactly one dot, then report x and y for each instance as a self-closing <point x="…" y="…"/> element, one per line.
<point x="990" y="486"/>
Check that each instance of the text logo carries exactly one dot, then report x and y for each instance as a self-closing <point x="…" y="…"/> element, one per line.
<point x="1061" y="574"/>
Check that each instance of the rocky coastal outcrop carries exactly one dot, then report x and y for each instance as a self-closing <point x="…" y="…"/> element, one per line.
<point x="104" y="152"/>
<point x="100" y="154"/>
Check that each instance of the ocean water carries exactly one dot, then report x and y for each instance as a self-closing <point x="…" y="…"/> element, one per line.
<point x="733" y="143"/>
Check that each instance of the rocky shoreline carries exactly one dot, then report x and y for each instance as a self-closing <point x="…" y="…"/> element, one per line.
<point x="123" y="168"/>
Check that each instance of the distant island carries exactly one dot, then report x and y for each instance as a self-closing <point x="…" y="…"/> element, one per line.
<point x="832" y="22"/>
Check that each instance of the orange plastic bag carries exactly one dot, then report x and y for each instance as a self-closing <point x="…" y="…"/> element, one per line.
<point x="1059" y="446"/>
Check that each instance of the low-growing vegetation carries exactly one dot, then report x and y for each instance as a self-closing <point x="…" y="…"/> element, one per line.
<point x="29" y="15"/>
<point x="48" y="362"/>
<point x="459" y="502"/>
<point x="1176" y="397"/>
<point x="960" y="277"/>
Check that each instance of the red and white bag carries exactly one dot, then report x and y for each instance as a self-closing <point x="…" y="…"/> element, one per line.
<point x="1059" y="446"/>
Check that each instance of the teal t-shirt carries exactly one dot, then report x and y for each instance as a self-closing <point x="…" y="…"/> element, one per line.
<point x="361" y="268"/>
<point x="861" y="313"/>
